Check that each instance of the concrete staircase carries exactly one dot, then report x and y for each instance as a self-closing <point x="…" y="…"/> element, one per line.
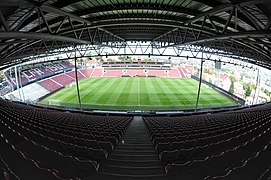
<point x="134" y="155"/>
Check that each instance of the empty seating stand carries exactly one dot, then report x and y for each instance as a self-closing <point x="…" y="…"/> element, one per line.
<point x="48" y="144"/>
<point x="50" y="85"/>
<point x="234" y="143"/>
<point x="59" y="144"/>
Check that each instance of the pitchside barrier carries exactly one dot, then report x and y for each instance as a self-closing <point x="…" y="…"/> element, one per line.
<point x="140" y="108"/>
<point x="237" y="99"/>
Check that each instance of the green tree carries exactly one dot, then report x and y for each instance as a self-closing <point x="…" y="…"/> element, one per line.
<point x="233" y="79"/>
<point x="268" y="93"/>
<point x="125" y="58"/>
<point x="99" y="58"/>
<point x="88" y="55"/>
<point x="247" y="89"/>
<point x="231" y="90"/>
<point x="253" y="86"/>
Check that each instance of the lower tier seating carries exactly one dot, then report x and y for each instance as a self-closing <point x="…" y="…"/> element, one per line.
<point x="57" y="144"/>
<point x="233" y="143"/>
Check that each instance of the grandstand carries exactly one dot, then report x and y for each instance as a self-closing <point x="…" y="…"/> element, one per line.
<point x="53" y="143"/>
<point x="31" y="73"/>
<point x="135" y="54"/>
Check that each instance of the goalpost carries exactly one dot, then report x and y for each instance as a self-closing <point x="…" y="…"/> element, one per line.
<point x="54" y="102"/>
<point x="72" y="84"/>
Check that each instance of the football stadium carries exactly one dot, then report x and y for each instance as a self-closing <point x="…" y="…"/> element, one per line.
<point x="135" y="89"/>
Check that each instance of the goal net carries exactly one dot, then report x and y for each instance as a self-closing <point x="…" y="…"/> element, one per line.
<point x="72" y="84"/>
<point x="54" y="102"/>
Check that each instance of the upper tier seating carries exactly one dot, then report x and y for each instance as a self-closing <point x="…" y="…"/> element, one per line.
<point x="32" y="73"/>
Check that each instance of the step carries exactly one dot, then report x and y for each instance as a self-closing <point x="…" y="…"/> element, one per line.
<point x="131" y="153"/>
<point x="150" y="144"/>
<point x="132" y="148"/>
<point x="132" y="171"/>
<point x="136" y="137"/>
<point x="121" y="150"/>
<point x="132" y="163"/>
<point x="133" y="157"/>
<point x="137" y="133"/>
<point x="137" y="142"/>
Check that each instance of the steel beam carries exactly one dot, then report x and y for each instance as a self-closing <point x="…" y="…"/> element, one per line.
<point x="237" y="35"/>
<point x="226" y="7"/>
<point x="220" y="8"/>
<point x="138" y="16"/>
<point x="60" y="12"/>
<point x="138" y="6"/>
<point x="23" y="19"/>
<point x="135" y="23"/>
<point x="17" y="3"/>
<point x="3" y="21"/>
<point x="38" y="36"/>
<point x="49" y="9"/>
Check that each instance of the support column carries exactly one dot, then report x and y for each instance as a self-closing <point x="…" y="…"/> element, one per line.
<point x="17" y="83"/>
<point x="20" y="83"/>
<point x="256" y="89"/>
<point x="200" y="79"/>
<point x="77" y="84"/>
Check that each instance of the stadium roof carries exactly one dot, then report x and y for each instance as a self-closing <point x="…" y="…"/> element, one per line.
<point x="241" y="27"/>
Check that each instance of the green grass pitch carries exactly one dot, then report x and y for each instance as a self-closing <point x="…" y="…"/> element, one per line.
<point x="139" y="93"/>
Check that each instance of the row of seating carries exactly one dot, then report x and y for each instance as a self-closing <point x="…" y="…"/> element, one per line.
<point x="103" y="144"/>
<point x="54" y="166"/>
<point x="6" y="172"/>
<point x="53" y="138"/>
<point x="174" y="72"/>
<point x="222" y="140"/>
<point x="200" y="140"/>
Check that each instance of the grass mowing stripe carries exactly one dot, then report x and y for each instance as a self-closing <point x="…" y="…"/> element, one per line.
<point x="124" y="94"/>
<point x="187" y="91"/>
<point x="64" y="96"/>
<point x="133" y="94"/>
<point x="181" y="99"/>
<point x="160" y="93"/>
<point x="90" y="94"/>
<point x="144" y="94"/>
<point x="152" y="93"/>
<point x="104" y="94"/>
<point x="170" y="93"/>
<point x="116" y="91"/>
